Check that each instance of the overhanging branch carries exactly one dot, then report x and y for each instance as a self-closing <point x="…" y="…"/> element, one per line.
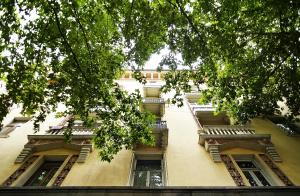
<point x="68" y="45"/>
<point x="82" y="29"/>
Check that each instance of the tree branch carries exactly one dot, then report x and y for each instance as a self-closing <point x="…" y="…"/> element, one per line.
<point x="68" y="45"/>
<point x="82" y="29"/>
<point x="194" y="28"/>
<point x="275" y="69"/>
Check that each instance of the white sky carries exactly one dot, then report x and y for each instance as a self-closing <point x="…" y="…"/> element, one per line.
<point x="154" y="60"/>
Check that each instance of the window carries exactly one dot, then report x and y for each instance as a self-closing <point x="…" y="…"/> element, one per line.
<point x="148" y="171"/>
<point x="17" y="122"/>
<point x="148" y="75"/>
<point x="44" y="174"/>
<point x="252" y="172"/>
<point x="288" y="127"/>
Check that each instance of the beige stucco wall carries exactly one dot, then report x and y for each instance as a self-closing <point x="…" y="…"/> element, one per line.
<point x="187" y="163"/>
<point x="98" y="173"/>
<point x="286" y="146"/>
<point x="11" y="146"/>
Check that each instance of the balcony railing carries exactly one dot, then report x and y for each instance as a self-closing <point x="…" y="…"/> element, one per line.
<point x="226" y="130"/>
<point x="201" y="108"/>
<point x="76" y="130"/>
<point x="229" y="132"/>
<point x="154" y="100"/>
<point x="159" y="125"/>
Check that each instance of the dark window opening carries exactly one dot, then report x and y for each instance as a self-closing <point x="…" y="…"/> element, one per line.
<point x="288" y="127"/>
<point x="148" y="173"/>
<point x="44" y="174"/>
<point x="253" y="174"/>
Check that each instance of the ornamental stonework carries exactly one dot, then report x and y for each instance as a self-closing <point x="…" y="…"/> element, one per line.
<point x="38" y="143"/>
<point x="276" y="170"/>
<point x="63" y="174"/>
<point x="236" y="176"/>
<point x="216" y="142"/>
<point x="12" y="178"/>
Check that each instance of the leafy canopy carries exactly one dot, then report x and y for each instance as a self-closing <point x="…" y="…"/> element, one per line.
<point x="72" y="52"/>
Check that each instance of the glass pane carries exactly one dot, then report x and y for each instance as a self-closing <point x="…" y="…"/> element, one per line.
<point x="250" y="179"/>
<point x="140" y="178"/>
<point x="155" y="179"/>
<point x="148" y="165"/>
<point x="245" y="164"/>
<point x="261" y="178"/>
<point x="44" y="174"/>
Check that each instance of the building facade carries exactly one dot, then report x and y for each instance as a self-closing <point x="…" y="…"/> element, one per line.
<point x="194" y="148"/>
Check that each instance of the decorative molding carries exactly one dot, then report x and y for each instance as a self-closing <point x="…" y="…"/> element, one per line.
<point x="63" y="174"/>
<point x="236" y="176"/>
<point x="84" y="152"/>
<point x="215" y="153"/>
<point x="24" y="153"/>
<point x="276" y="170"/>
<point x="38" y="143"/>
<point x="19" y="171"/>
<point x="164" y="138"/>
<point x="217" y="138"/>
<point x="271" y="151"/>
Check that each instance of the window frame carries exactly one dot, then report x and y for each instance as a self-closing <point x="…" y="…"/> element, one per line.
<point x="49" y="175"/>
<point x="146" y="157"/>
<point x="13" y="125"/>
<point x="258" y="167"/>
<point x="29" y="172"/>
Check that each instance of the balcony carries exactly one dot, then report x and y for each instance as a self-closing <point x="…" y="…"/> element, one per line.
<point x="54" y="138"/>
<point x="160" y="133"/>
<point x="217" y="138"/>
<point x="210" y="118"/>
<point x="152" y="90"/>
<point x="159" y="125"/>
<point x="192" y="97"/>
<point x="77" y="129"/>
<point x="155" y="105"/>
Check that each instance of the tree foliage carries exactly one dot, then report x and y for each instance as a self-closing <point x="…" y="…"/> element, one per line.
<point x="72" y="51"/>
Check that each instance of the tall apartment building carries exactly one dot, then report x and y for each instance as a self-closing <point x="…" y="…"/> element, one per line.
<point x="196" y="152"/>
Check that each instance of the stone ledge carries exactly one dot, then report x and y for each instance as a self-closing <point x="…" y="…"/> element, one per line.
<point x="168" y="191"/>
